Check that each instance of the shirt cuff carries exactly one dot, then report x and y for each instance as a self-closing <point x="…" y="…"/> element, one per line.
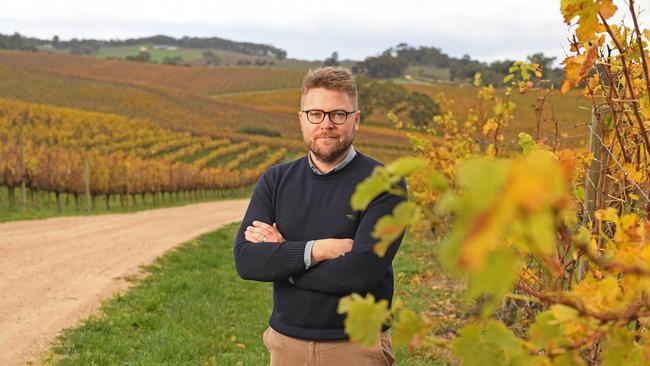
<point x="308" y="247"/>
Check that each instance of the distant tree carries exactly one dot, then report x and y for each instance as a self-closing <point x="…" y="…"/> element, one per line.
<point x="364" y="93"/>
<point x="423" y="56"/>
<point x="260" y="62"/>
<point x="464" y="68"/>
<point x="332" y="60"/>
<point x="76" y="49"/>
<point x="143" y="56"/>
<point x="20" y="43"/>
<point x="55" y="41"/>
<point x="82" y="47"/>
<point x="211" y="58"/>
<point x="390" y="96"/>
<point x="495" y="72"/>
<point x="384" y="96"/>
<point x="280" y="54"/>
<point x="544" y="62"/>
<point x="384" y="66"/>
<point x="421" y="108"/>
<point x="380" y="96"/>
<point x="16" y="41"/>
<point x="554" y="75"/>
<point x="172" y="60"/>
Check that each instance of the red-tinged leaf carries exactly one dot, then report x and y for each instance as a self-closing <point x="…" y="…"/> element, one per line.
<point x="577" y="68"/>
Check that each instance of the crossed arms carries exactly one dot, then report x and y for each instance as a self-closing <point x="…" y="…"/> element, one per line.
<point x="343" y="265"/>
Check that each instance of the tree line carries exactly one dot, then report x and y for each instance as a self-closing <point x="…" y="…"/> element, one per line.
<point x="394" y="62"/>
<point x="19" y="42"/>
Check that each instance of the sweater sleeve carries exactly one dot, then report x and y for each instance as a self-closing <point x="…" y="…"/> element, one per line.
<point x="266" y="261"/>
<point x="359" y="270"/>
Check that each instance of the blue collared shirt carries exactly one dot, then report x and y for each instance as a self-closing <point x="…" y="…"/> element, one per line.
<point x="344" y="162"/>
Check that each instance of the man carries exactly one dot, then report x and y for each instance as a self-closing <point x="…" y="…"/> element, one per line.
<point x="300" y="233"/>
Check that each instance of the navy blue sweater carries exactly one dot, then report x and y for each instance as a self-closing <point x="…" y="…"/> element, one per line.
<point x="307" y="206"/>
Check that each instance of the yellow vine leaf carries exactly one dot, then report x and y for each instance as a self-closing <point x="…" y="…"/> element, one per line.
<point x="587" y="12"/>
<point x="526" y="142"/>
<point x="390" y="227"/>
<point x="607" y="8"/>
<point x="408" y="329"/>
<point x="364" y="318"/>
<point x="598" y="296"/>
<point x="608" y="214"/>
<point x="489" y="126"/>
<point x="547" y="333"/>
<point x="495" y="279"/>
<point x="621" y="349"/>
<point x="493" y="343"/>
<point x="633" y="173"/>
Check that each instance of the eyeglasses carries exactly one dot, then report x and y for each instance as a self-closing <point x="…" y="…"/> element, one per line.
<point x="337" y="116"/>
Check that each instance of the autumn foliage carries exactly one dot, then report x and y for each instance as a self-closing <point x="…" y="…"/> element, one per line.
<point x="63" y="150"/>
<point x="554" y="244"/>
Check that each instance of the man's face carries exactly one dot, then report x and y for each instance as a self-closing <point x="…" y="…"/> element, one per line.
<point x="328" y="141"/>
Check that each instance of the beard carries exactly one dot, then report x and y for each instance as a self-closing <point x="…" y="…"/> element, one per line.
<point x="332" y="152"/>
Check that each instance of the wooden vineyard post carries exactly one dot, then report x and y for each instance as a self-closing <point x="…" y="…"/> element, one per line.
<point x="126" y="186"/>
<point x="23" y="194"/>
<point x="594" y="179"/>
<point x="87" y="183"/>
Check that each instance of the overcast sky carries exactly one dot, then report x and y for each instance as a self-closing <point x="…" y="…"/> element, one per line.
<point x="485" y="29"/>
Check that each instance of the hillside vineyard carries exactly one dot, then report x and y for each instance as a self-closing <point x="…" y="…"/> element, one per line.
<point x="68" y="151"/>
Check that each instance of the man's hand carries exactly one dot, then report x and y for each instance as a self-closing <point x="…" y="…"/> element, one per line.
<point x="263" y="232"/>
<point x="324" y="249"/>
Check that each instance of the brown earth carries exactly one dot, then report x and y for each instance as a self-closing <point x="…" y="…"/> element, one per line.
<point x="56" y="272"/>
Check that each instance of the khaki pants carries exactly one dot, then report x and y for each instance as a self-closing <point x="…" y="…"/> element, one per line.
<point x="289" y="351"/>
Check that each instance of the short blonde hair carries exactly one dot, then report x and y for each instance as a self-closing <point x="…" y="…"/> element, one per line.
<point x="331" y="78"/>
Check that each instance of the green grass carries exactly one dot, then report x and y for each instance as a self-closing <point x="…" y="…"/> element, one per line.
<point x="424" y="287"/>
<point x="428" y="73"/>
<point x="193" y="309"/>
<point x="47" y="206"/>
<point x="157" y="55"/>
<point x="192" y="54"/>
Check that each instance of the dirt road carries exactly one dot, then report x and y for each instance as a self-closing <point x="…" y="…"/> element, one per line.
<point x="55" y="272"/>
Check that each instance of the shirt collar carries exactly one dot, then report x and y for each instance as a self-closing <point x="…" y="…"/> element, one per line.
<point x="344" y="162"/>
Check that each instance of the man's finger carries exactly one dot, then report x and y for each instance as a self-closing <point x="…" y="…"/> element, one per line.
<point x="261" y="224"/>
<point x="254" y="230"/>
<point x="263" y="234"/>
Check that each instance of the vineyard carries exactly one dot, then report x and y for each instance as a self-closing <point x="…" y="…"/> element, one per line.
<point x="89" y="155"/>
<point x="567" y="109"/>
<point x="197" y="80"/>
<point x="82" y="129"/>
<point x="178" y="109"/>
